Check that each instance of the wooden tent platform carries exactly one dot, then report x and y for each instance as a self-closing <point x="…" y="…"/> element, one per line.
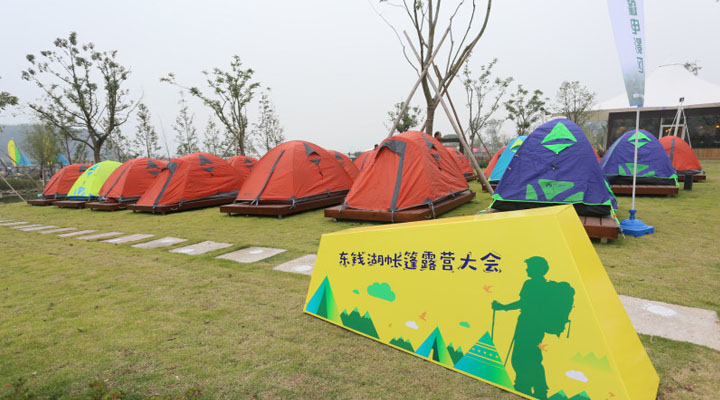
<point x="41" y="202"/>
<point x="413" y="214"/>
<point x="696" y="177"/>
<point x="106" y="206"/>
<point x="70" y="203"/>
<point x="602" y="228"/>
<point x="471" y="177"/>
<point x="280" y="209"/>
<point x="188" y="205"/>
<point x="667" y="190"/>
<point x="492" y="185"/>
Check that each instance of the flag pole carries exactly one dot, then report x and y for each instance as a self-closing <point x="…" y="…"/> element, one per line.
<point x="637" y="134"/>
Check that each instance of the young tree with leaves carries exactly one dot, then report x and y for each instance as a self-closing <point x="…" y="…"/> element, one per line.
<point x="146" y="141"/>
<point x="495" y="140"/>
<point x="184" y="127"/>
<point x="214" y="143"/>
<point x="410" y="118"/>
<point x="525" y="111"/>
<point x="268" y="131"/>
<point x="230" y="93"/>
<point x="83" y="91"/>
<point x="574" y="102"/>
<point x="484" y="95"/>
<point x="42" y="144"/>
<point x="426" y="19"/>
<point x="6" y="99"/>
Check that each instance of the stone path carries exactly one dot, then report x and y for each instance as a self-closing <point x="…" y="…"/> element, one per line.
<point x="684" y="324"/>
<point x="128" y="238"/>
<point x="13" y="223"/>
<point x="58" y="230"/>
<point x="201" y="248"/>
<point x="38" y="228"/>
<point x="303" y="265"/>
<point x="78" y="233"/>
<point x="26" y="226"/>
<point x="251" y="254"/>
<point x="100" y="236"/>
<point x="164" y="242"/>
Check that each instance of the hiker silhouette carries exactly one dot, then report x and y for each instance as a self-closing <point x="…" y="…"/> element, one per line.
<point x="544" y="308"/>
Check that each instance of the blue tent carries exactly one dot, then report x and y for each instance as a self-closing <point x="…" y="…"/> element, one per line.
<point x="654" y="166"/>
<point x="555" y="165"/>
<point x="505" y="158"/>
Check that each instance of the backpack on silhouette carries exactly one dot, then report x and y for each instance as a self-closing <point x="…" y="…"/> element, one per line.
<point x="557" y="302"/>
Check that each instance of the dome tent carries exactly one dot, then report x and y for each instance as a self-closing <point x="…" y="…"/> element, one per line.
<point x="408" y="171"/>
<point x="462" y="162"/>
<point x="493" y="162"/>
<point x="346" y="163"/>
<point x="127" y="183"/>
<point x="681" y="156"/>
<point x="363" y="159"/>
<point x="59" y="185"/>
<point x="555" y="165"/>
<point x="88" y="184"/>
<point x="243" y="164"/>
<point x="292" y="177"/>
<point x="654" y="167"/>
<point x="191" y="181"/>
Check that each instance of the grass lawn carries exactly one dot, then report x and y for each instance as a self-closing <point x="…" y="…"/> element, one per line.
<point x="150" y="321"/>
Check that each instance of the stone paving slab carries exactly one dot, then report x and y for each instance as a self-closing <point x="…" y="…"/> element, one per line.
<point x="3" y="220"/>
<point x="128" y="238"/>
<point x="26" y="226"/>
<point x="163" y="242"/>
<point x="58" y="230"/>
<point x="303" y="265"/>
<point x="684" y="324"/>
<point x="13" y="223"/>
<point x="201" y="248"/>
<point x="99" y="236"/>
<point x="38" y="228"/>
<point x="251" y="254"/>
<point x="78" y="233"/>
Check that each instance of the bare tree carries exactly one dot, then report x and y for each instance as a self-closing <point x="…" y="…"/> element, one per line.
<point x="146" y="140"/>
<point x="410" y="118"/>
<point x="213" y="142"/>
<point x="494" y="138"/>
<point x="82" y="89"/>
<point x="6" y="99"/>
<point x="427" y="18"/>
<point x="574" y="101"/>
<point x="484" y="96"/>
<point x="230" y="93"/>
<point x="268" y="131"/>
<point x="184" y="127"/>
<point x="525" y="111"/>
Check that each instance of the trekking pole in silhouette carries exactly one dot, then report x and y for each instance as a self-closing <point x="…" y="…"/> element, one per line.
<point x="492" y="329"/>
<point x="507" y="357"/>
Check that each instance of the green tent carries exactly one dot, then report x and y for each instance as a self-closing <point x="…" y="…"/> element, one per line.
<point x="88" y="185"/>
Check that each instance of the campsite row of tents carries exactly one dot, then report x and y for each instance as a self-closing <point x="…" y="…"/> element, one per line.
<point x="409" y="176"/>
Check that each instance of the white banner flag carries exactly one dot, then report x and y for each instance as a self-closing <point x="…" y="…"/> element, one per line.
<point x="626" y="17"/>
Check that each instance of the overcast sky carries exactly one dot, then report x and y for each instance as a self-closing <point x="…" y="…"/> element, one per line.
<point x="335" y="68"/>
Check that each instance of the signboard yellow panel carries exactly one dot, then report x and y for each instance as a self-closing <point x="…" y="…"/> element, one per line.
<point x="516" y="299"/>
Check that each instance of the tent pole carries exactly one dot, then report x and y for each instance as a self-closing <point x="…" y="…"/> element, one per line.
<point x="637" y="133"/>
<point x="459" y="133"/>
<point x="424" y="72"/>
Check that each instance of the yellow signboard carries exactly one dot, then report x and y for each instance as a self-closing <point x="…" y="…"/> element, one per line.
<point x="516" y="299"/>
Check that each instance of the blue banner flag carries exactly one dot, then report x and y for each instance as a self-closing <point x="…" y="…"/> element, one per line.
<point x="626" y="17"/>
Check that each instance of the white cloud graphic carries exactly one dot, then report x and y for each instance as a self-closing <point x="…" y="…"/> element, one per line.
<point x="577" y="375"/>
<point x="411" y="324"/>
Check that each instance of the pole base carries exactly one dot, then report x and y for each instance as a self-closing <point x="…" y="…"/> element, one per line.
<point x="634" y="227"/>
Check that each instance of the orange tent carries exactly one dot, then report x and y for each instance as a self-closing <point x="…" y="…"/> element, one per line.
<point x="346" y="163"/>
<point x="408" y="170"/>
<point x="295" y="171"/>
<point x="243" y="164"/>
<point x="493" y="161"/>
<point x="196" y="176"/>
<point x="681" y="155"/>
<point x="362" y="159"/>
<point x="461" y="161"/>
<point x="130" y="180"/>
<point x="59" y="185"/>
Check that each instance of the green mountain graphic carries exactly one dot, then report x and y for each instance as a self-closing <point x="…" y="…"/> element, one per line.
<point x="483" y="361"/>
<point x="558" y="396"/>
<point x="434" y="348"/>
<point x="455" y="354"/>
<point x="403" y="344"/>
<point x="592" y="361"/>
<point x="322" y="303"/>
<point x="359" y="323"/>
<point x="580" y="396"/>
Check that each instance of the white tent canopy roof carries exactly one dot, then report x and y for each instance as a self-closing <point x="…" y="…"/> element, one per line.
<point x="665" y="86"/>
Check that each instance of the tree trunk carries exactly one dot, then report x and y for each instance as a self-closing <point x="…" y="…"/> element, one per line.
<point x="430" y="118"/>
